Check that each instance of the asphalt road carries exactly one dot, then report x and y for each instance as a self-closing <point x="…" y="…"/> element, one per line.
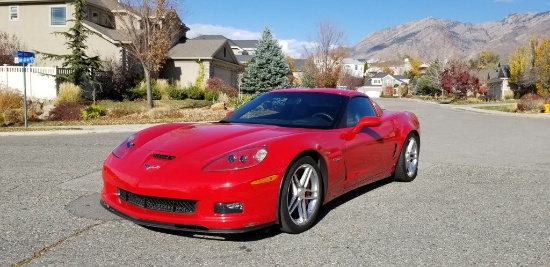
<point x="481" y="199"/>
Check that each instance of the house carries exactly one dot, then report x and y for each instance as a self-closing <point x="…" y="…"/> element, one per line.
<point x="354" y="67"/>
<point x="35" y="22"/>
<point x="498" y="86"/>
<point x="380" y="82"/>
<point x="243" y="49"/>
<point x="216" y="56"/>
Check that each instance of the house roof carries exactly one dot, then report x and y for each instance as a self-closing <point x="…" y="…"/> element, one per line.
<point x="105" y="4"/>
<point x="246" y="43"/>
<point x="380" y="75"/>
<point x="112" y="35"/>
<point x="197" y="48"/>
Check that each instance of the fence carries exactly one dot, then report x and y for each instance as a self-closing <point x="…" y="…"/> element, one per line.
<point x="39" y="81"/>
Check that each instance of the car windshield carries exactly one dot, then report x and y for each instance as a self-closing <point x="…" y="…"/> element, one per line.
<point x="292" y="109"/>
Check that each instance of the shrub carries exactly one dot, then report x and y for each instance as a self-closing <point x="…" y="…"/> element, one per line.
<point x="69" y="93"/>
<point x="217" y="84"/>
<point x="66" y="112"/>
<point x="211" y="95"/>
<point x="140" y="93"/>
<point x="239" y="101"/>
<point x="508" y="94"/>
<point x="177" y="93"/>
<point x="531" y="103"/>
<point x="92" y="112"/>
<point x="163" y="87"/>
<point x="116" y="78"/>
<point x="195" y="92"/>
<point x="10" y="99"/>
<point x="13" y="116"/>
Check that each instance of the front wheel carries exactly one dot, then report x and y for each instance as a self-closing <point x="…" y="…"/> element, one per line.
<point x="407" y="165"/>
<point x="301" y="196"/>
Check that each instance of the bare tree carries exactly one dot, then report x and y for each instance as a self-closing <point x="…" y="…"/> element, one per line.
<point x="149" y="28"/>
<point x="8" y="44"/>
<point x="327" y="52"/>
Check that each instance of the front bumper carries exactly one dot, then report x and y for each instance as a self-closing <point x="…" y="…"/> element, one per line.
<point x="184" y="227"/>
<point x="204" y="189"/>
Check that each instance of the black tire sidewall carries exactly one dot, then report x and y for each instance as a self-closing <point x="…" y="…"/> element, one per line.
<point x="400" y="173"/>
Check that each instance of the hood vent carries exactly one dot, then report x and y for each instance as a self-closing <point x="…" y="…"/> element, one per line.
<point x="166" y="157"/>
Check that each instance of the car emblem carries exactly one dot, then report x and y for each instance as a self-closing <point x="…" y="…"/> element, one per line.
<point x="151" y="167"/>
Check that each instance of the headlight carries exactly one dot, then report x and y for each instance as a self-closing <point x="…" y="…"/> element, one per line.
<point x="125" y="146"/>
<point x="238" y="160"/>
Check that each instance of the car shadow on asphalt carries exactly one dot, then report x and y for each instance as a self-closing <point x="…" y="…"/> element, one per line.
<point x="349" y="196"/>
<point x="272" y="231"/>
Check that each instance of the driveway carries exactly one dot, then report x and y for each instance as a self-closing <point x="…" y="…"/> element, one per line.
<point x="481" y="198"/>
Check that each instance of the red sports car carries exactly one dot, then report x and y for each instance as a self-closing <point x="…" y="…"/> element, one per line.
<point x="274" y="161"/>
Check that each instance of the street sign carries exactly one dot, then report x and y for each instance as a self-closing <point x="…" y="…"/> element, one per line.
<point x="23" y="57"/>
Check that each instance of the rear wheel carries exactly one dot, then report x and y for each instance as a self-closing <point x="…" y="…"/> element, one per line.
<point x="407" y="165"/>
<point x="301" y="196"/>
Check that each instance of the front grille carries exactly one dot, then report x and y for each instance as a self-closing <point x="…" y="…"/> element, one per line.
<point x="158" y="203"/>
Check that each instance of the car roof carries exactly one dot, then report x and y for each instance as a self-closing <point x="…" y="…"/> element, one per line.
<point x="345" y="92"/>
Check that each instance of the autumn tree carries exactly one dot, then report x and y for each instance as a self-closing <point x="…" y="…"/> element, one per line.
<point x="328" y="51"/>
<point x="82" y="67"/>
<point x="268" y="69"/>
<point x="414" y="70"/>
<point x="522" y="67"/>
<point x="458" y="79"/>
<point x="484" y="60"/>
<point x="542" y="66"/>
<point x="291" y="79"/>
<point x="149" y="29"/>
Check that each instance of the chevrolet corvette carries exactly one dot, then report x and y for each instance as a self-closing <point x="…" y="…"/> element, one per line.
<point x="272" y="162"/>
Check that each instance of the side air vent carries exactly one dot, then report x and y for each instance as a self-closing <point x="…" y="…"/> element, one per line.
<point x="166" y="157"/>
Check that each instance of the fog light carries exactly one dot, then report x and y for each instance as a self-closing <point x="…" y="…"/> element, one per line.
<point x="228" y="208"/>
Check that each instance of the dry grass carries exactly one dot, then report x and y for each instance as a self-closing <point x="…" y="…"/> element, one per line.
<point x="10" y="99"/>
<point x="69" y="93"/>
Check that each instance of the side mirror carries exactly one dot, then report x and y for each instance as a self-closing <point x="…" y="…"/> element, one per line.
<point x="363" y="122"/>
<point x="367" y="121"/>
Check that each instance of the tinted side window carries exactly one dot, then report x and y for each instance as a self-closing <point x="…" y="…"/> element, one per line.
<point x="358" y="107"/>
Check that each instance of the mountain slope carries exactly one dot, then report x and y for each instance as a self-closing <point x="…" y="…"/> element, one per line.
<point x="439" y="38"/>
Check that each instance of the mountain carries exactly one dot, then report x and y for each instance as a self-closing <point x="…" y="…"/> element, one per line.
<point x="439" y="38"/>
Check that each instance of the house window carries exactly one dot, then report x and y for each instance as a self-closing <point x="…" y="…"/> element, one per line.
<point x="14" y="12"/>
<point x="85" y="13"/>
<point x="58" y="16"/>
<point x="224" y="52"/>
<point x="95" y="17"/>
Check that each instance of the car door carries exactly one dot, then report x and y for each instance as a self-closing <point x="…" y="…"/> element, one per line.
<point x="367" y="153"/>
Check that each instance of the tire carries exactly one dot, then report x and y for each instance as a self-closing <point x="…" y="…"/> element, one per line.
<point x="407" y="165"/>
<point x="301" y="196"/>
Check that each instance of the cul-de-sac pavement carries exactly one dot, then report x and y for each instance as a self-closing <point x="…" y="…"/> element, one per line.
<point x="481" y="198"/>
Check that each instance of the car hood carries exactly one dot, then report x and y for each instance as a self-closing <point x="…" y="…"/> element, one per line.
<point x="201" y="141"/>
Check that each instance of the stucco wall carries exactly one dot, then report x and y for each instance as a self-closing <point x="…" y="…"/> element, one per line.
<point x="35" y="33"/>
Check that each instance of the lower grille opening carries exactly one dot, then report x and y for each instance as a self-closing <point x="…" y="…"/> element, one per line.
<point x="158" y="203"/>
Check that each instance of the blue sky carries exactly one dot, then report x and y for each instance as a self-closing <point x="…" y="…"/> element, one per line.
<point x="293" y="22"/>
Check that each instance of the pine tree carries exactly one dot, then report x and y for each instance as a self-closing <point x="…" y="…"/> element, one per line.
<point x="81" y="65"/>
<point x="268" y="69"/>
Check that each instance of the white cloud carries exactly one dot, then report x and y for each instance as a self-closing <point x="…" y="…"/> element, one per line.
<point x="291" y="47"/>
<point x="229" y="32"/>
